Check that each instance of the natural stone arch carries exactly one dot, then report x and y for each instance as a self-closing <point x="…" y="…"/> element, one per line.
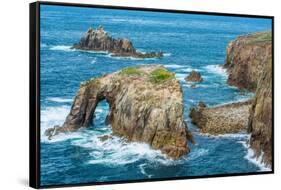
<point x="141" y="110"/>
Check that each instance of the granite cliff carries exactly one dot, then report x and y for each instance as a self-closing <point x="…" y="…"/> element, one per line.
<point x="146" y="105"/>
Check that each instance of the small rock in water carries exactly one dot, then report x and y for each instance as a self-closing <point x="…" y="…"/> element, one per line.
<point x="105" y="137"/>
<point x="194" y="76"/>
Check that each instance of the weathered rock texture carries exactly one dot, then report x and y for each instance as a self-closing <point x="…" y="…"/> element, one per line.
<point x="194" y="77"/>
<point x="145" y="103"/>
<point x="249" y="62"/>
<point x="260" y="122"/>
<point x="230" y="118"/>
<point x="246" y="58"/>
<point x="99" y="40"/>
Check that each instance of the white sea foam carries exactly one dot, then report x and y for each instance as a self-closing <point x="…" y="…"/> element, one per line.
<point x="189" y="84"/>
<point x="174" y="66"/>
<point x="126" y="58"/>
<point x="196" y="153"/>
<point x="94" y="60"/>
<point x="60" y="100"/>
<point x="189" y="69"/>
<point x="167" y="54"/>
<point x="216" y="69"/>
<point x="229" y="135"/>
<point x="250" y="156"/>
<point x="240" y="99"/>
<point x="116" y="151"/>
<point x="61" y="48"/>
<point x="50" y="117"/>
<point x="180" y="77"/>
<point x="142" y="169"/>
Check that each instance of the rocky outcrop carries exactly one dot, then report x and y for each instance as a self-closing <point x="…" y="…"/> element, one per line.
<point x="194" y="77"/>
<point x="229" y="118"/>
<point x="145" y="103"/>
<point x="260" y="122"/>
<point x="249" y="63"/>
<point x="246" y="58"/>
<point x="99" y="40"/>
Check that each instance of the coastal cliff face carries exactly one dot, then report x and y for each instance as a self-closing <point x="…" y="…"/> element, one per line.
<point x="99" y="40"/>
<point x="260" y="122"/>
<point x="249" y="63"/>
<point x="246" y="58"/>
<point x="145" y="103"/>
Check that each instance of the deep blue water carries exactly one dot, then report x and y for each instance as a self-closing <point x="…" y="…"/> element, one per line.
<point x="189" y="42"/>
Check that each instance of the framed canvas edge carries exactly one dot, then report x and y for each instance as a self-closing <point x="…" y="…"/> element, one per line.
<point x="34" y="93"/>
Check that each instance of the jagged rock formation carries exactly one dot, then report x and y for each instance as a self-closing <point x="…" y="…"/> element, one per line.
<point x="230" y="118"/>
<point x="249" y="63"/>
<point x="194" y="77"/>
<point x="145" y="103"/>
<point x="99" y="40"/>
<point x="246" y="58"/>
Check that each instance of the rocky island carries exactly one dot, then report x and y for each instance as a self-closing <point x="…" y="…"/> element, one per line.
<point x="100" y="40"/>
<point x="146" y="105"/>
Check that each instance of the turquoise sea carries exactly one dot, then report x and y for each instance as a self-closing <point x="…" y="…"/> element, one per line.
<point x="190" y="42"/>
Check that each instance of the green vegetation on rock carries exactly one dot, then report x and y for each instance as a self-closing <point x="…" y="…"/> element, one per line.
<point x="260" y="37"/>
<point x="85" y="83"/>
<point x="131" y="71"/>
<point x="161" y="75"/>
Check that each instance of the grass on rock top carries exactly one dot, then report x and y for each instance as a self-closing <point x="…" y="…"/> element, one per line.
<point x="261" y="37"/>
<point x="157" y="76"/>
<point x="161" y="75"/>
<point x="131" y="71"/>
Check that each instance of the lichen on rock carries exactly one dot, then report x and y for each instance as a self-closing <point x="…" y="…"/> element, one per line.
<point x="141" y="109"/>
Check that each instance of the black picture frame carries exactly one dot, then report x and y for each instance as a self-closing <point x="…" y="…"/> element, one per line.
<point x="34" y="91"/>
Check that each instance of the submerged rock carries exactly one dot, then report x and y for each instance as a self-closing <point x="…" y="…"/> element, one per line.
<point x="146" y="105"/>
<point x="229" y="118"/>
<point x="99" y="40"/>
<point x="194" y="77"/>
<point x="249" y="63"/>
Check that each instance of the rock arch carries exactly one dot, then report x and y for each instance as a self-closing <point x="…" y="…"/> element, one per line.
<point x="139" y="109"/>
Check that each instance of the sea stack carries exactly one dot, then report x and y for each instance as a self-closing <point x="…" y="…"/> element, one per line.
<point x="249" y="63"/>
<point x="100" y="40"/>
<point x="194" y="77"/>
<point x="146" y="105"/>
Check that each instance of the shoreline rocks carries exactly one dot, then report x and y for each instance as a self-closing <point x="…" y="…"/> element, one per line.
<point x="249" y="63"/>
<point x="194" y="76"/>
<point x="146" y="105"/>
<point x="228" y="118"/>
<point x="100" y="40"/>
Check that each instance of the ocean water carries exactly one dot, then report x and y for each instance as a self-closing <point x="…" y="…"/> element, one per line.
<point x="190" y="42"/>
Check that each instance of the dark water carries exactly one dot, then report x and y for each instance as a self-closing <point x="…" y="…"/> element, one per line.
<point x="189" y="42"/>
